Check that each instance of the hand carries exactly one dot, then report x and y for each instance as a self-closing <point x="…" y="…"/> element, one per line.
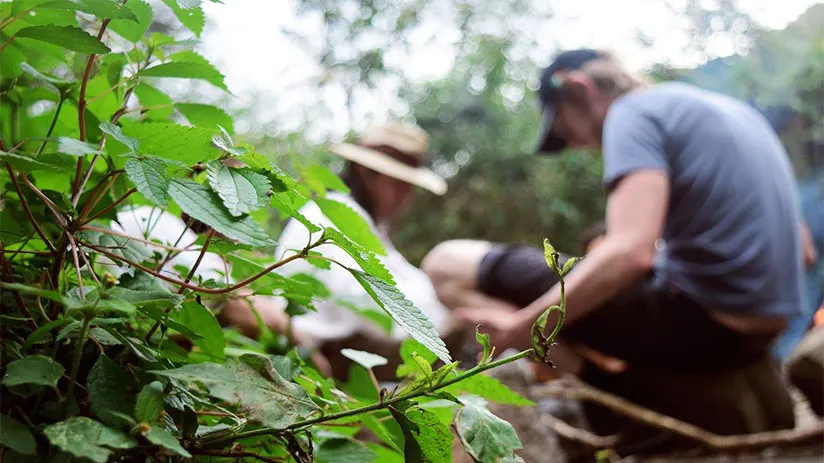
<point x="505" y="329"/>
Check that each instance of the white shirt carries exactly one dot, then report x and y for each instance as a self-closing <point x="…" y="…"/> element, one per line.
<point x="333" y="321"/>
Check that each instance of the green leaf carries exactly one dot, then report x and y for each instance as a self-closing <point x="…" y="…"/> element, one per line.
<point x="106" y="9"/>
<point x="86" y="438"/>
<point x="242" y="190"/>
<point x="205" y="116"/>
<point x="24" y="163"/>
<point x="116" y="132"/>
<point x="149" y="406"/>
<point x="149" y="176"/>
<point x="163" y="438"/>
<point x="199" y="319"/>
<point x="384" y="454"/>
<point x="59" y="83"/>
<point x="366" y="359"/>
<point x="174" y="142"/>
<point x="367" y="261"/>
<point x="427" y="438"/>
<point x="204" y="205"/>
<point x="17" y="436"/>
<point x="108" y="388"/>
<point x="483" y="340"/>
<point x="551" y="256"/>
<point x="422" y="365"/>
<point x="43" y="331"/>
<point x="37" y="369"/>
<point x="157" y="314"/>
<point x="156" y="105"/>
<point x="342" y="451"/>
<point x="253" y="383"/>
<point x="404" y="313"/>
<point x="191" y="18"/>
<point x="74" y="147"/>
<point x="143" y="297"/>
<point x="352" y="224"/>
<point x="68" y="37"/>
<point x="131" y="30"/>
<point x="280" y="201"/>
<point x="326" y="177"/>
<point x="485" y="436"/>
<point x="490" y="389"/>
<point x="186" y="70"/>
<point x="117" y="245"/>
<point x="45" y="293"/>
<point x="569" y="265"/>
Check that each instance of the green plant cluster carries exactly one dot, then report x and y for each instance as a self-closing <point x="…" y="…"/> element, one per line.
<point x="133" y="365"/>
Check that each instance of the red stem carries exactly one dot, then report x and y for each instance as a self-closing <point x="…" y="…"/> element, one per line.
<point x="17" y="297"/>
<point x="25" y="205"/>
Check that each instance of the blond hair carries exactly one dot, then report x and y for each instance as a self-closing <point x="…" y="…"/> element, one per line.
<point x="611" y="77"/>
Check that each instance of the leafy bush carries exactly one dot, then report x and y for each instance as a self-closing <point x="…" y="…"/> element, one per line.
<point x="101" y="361"/>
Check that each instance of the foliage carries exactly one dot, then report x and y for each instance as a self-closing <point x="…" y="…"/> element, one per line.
<point x="107" y="355"/>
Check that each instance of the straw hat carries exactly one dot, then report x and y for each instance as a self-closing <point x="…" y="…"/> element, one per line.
<point x="411" y="140"/>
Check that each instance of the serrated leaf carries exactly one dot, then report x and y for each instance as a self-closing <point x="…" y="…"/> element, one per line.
<point x="16" y="436"/>
<point x="86" y="438"/>
<point x="366" y="359"/>
<point x="174" y="142"/>
<point x="192" y="18"/>
<point x="142" y="297"/>
<point x="351" y="224"/>
<point x="106" y="9"/>
<point x="74" y="147"/>
<point x="43" y="331"/>
<point x="342" y="451"/>
<point x="117" y="245"/>
<point x="108" y="388"/>
<point x="405" y="314"/>
<point x="149" y="176"/>
<point x="242" y="190"/>
<point x="205" y="205"/>
<point x="205" y="116"/>
<point x="485" y="436"/>
<point x="116" y="132"/>
<point x="489" y="388"/>
<point x="223" y="140"/>
<point x="367" y="261"/>
<point x="149" y="405"/>
<point x="186" y="70"/>
<point x="199" y="319"/>
<point x="252" y="382"/>
<point x="160" y="437"/>
<point x="279" y="202"/>
<point x="427" y="438"/>
<point x="103" y="337"/>
<point x="133" y="31"/>
<point x="68" y="37"/>
<point x="37" y="369"/>
<point x="327" y="178"/>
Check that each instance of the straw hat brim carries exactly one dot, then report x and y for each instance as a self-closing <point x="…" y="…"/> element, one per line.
<point x="380" y="162"/>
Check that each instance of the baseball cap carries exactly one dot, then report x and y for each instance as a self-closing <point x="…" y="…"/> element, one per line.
<point x="549" y="92"/>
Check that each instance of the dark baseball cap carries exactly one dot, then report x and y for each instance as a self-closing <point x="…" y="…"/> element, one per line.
<point x="549" y="93"/>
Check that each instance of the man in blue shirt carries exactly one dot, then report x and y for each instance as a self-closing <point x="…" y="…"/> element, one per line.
<point x="701" y="263"/>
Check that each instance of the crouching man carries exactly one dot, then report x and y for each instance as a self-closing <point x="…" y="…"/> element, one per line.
<point x="698" y="270"/>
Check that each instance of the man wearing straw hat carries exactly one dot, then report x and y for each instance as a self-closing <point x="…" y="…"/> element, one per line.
<point x="382" y="169"/>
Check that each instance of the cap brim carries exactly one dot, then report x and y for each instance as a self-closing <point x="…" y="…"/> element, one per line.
<point x="380" y="162"/>
<point x="548" y="143"/>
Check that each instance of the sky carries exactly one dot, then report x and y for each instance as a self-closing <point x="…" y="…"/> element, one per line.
<point x="267" y="72"/>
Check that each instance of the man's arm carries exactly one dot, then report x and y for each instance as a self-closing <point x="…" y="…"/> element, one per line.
<point x="636" y="210"/>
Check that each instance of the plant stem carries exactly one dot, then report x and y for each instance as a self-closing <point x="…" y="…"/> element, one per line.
<point x="81" y="113"/>
<point x="17" y="297"/>
<point x="26" y="209"/>
<point x="48" y="202"/>
<point x="53" y="123"/>
<point x="78" y="355"/>
<point x="123" y="235"/>
<point x="76" y="265"/>
<point x="111" y="206"/>
<point x="97" y="194"/>
<point x="376" y="406"/>
<point x="196" y="288"/>
<point x="192" y="271"/>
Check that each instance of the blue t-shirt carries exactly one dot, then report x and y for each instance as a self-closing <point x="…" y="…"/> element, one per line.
<point x="731" y="236"/>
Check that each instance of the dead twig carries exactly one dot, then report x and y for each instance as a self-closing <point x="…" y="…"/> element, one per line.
<point x="582" y="391"/>
<point x="583" y="436"/>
